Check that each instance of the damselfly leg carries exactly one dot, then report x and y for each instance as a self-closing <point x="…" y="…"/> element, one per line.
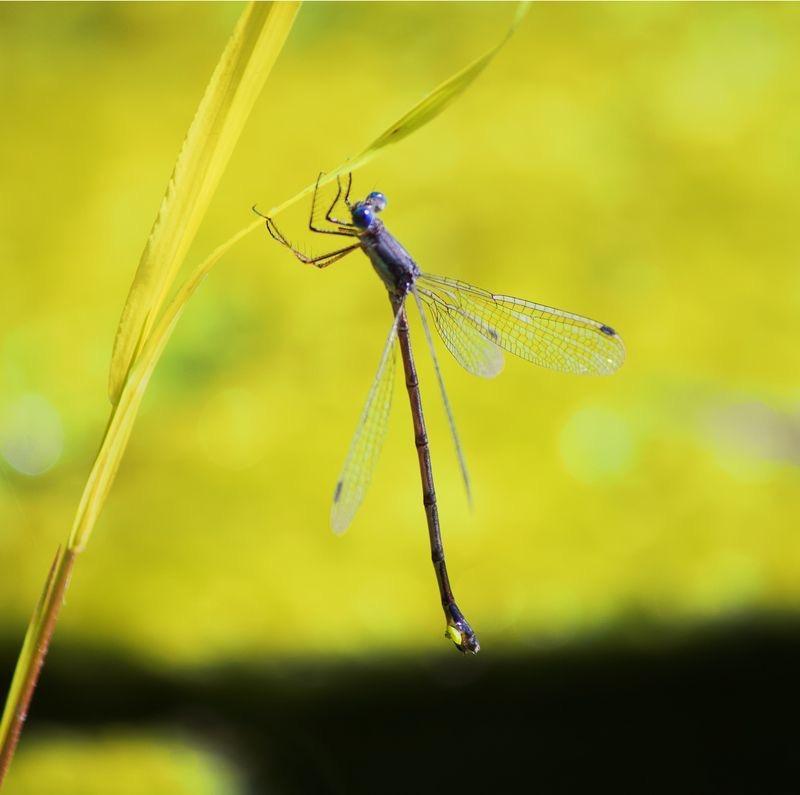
<point x="343" y="228"/>
<point x="321" y="261"/>
<point x="328" y="216"/>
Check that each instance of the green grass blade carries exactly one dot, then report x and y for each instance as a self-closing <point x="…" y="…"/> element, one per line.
<point x="234" y="86"/>
<point x="433" y="104"/>
<point x="423" y="112"/>
<point x="117" y="434"/>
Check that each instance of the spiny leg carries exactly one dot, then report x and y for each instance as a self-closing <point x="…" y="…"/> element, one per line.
<point x="346" y="201"/>
<point x="333" y="256"/>
<point x="335" y="199"/>
<point x="346" y="230"/>
<point x="322" y="261"/>
<point x="347" y="192"/>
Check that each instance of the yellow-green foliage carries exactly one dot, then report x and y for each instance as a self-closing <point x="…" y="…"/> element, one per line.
<point x="118" y="763"/>
<point x="632" y="162"/>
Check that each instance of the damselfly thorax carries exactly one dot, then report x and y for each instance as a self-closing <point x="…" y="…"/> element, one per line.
<point x="391" y="261"/>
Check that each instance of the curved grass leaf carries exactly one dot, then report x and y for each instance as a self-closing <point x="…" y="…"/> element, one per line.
<point x="118" y="432"/>
<point x="234" y="86"/>
<point x="424" y="111"/>
<point x="433" y="104"/>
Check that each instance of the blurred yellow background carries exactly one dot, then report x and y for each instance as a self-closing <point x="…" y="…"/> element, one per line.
<point x="634" y="163"/>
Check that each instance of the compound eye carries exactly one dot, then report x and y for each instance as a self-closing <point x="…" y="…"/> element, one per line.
<point x="363" y="216"/>
<point x="377" y="200"/>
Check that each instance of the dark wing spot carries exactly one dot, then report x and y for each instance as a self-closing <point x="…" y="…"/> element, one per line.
<point x="492" y="333"/>
<point x="337" y="492"/>
<point x="608" y="331"/>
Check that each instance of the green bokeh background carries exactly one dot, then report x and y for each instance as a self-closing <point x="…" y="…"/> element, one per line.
<point x="635" y="163"/>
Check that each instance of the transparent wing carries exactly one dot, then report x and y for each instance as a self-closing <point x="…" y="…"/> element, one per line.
<point x="474" y="352"/>
<point x="462" y="462"/>
<point x="367" y="441"/>
<point x="545" y="336"/>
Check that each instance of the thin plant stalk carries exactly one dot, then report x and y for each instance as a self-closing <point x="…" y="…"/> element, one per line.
<point x="34" y="650"/>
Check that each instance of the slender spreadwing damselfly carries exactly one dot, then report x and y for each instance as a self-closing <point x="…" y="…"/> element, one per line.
<point x="475" y="326"/>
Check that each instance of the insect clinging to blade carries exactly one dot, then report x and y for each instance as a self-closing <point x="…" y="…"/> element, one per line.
<point x="475" y="325"/>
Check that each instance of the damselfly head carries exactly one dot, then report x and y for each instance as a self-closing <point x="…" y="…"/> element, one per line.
<point x="364" y="212"/>
<point x="377" y="201"/>
<point x="364" y="215"/>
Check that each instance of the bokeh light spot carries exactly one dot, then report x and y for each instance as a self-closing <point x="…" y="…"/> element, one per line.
<point x="31" y="434"/>
<point x="597" y="445"/>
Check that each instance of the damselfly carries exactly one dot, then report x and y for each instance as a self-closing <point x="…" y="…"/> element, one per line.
<point x="475" y="326"/>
